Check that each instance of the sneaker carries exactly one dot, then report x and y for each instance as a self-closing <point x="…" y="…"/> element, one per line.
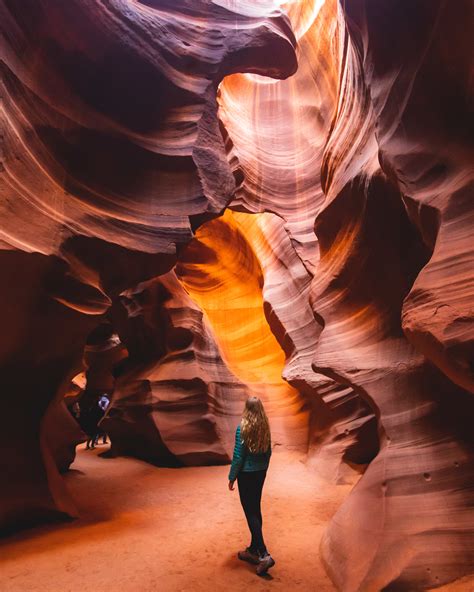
<point x="249" y="556"/>
<point x="264" y="564"/>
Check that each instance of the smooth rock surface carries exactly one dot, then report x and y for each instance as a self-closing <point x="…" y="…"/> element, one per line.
<point x="306" y="237"/>
<point x="111" y="153"/>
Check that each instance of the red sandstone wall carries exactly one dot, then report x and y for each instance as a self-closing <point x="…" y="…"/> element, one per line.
<point x="111" y="153"/>
<point x="345" y="301"/>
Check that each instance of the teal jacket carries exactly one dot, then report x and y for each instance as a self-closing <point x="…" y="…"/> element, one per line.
<point x="246" y="461"/>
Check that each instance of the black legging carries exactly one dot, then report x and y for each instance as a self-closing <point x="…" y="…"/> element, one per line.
<point x="250" y="491"/>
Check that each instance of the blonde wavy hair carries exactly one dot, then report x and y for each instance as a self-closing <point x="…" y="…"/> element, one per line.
<point x="254" y="426"/>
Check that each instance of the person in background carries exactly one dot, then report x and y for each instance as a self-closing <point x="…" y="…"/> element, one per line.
<point x="91" y="418"/>
<point x="103" y="403"/>
<point x="249" y="466"/>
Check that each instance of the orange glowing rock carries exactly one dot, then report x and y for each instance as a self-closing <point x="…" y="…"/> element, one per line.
<point x="222" y="272"/>
<point x="278" y="129"/>
<point x="337" y="285"/>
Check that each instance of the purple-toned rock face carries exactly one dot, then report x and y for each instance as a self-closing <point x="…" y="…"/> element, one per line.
<point x="202" y="200"/>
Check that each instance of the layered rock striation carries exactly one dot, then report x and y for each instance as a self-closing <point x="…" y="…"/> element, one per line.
<point x="111" y="153"/>
<point x="337" y="285"/>
<point x="175" y="401"/>
<point x="393" y="183"/>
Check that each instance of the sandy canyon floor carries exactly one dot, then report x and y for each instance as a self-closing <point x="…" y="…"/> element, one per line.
<point x="150" y="529"/>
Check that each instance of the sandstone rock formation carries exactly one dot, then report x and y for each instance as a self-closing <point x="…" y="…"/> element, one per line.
<point x="277" y="135"/>
<point x="175" y="402"/>
<point x="396" y="174"/>
<point x="338" y="284"/>
<point x="396" y="186"/>
<point x="111" y="153"/>
<point x="235" y="292"/>
<point x="62" y="433"/>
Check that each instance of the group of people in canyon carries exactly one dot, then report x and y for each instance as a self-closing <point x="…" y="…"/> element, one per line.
<point x="88" y="412"/>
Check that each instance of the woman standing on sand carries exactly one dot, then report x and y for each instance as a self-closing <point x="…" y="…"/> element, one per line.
<point x="249" y="466"/>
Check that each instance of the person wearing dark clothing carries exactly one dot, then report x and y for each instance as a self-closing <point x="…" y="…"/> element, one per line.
<point x="91" y="414"/>
<point x="94" y="416"/>
<point x="250" y="492"/>
<point x="103" y="404"/>
<point x="249" y="466"/>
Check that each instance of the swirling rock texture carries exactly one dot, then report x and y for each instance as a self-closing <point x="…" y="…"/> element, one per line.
<point x="277" y="134"/>
<point x="111" y="153"/>
<point x="175" y="401"/>
<point x="227" y="269"/>
<point x="102" y="353"/>
<point x="277" y="129"/>
<point x="393" y="252"/>
<point x="393" y="235"/>
<point x="199" y="343"/>
<point x="338" y="285"/>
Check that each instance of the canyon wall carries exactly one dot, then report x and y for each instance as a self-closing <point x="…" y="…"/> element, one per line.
<point x="111" y="154"/>
<point x="390" y="265"/>
<point x="394" y="287"/>
<point x="337" y="284"/>
<point x="175" y="401"/>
